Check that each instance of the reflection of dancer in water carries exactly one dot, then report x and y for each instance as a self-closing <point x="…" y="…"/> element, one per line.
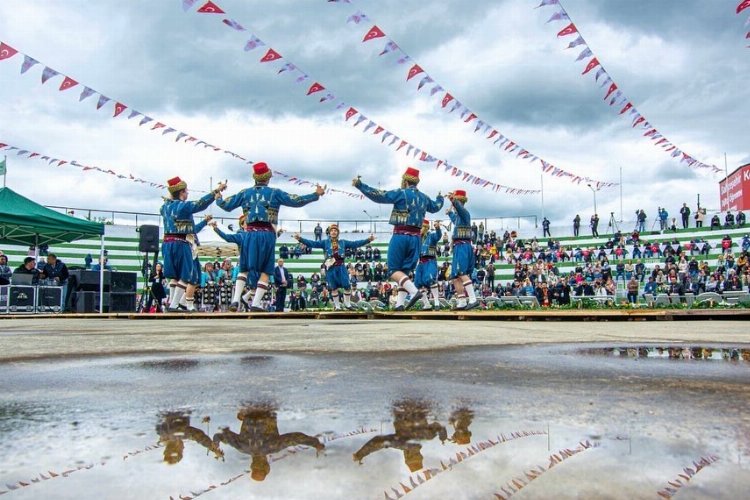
<point x="410" y="424"/>
<point x="174" y="429"/>
<point x="259" y="437"/>
<point x="461" y="419"/>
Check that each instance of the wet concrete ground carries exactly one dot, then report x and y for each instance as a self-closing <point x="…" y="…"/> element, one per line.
<point x="287" y="412"/>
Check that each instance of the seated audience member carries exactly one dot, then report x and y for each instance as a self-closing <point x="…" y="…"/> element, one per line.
<point x="28" y="267"/>
<point x="55" y="269"/>
<point x="5" y="270"/>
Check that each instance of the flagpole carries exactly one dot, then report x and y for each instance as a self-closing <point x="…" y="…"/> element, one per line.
<point x="541" y="178"/>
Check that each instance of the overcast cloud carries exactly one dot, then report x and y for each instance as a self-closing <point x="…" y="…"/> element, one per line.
<point x="682" y="62"/>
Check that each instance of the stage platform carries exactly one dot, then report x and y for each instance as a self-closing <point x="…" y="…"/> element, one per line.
<point x="637" y="314"/>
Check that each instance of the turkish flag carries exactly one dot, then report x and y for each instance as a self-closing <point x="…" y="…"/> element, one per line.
<point x="492" y="134"/>
<point x="158" y="125"/>
<point x="591" y="65"/>
<point x="627" y="107"/>
<point x="448" y="98"/>
<point x="568" y="30"/>
<point x="315" y="87"/>
<point x="471" y="117"/>
<point x="271" y="55"/>
<point x="68" y="83"/>
<point x="119" y="108"/>
<point x="350" y="113"/>
<point x="6" y="51"/>
<point x="374" y="33"/>
<point x="210" y="8"/>
<point x="378" y="129"/>
<point x="403" y="143"/>
<point x="639" y="120"/>
<point x="612" y="88"/>
<point x="745" y="4"/>
<point x="414" y="71"/>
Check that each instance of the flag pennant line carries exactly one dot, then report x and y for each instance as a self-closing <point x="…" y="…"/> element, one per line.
<point x="411" y="150"/>
<point x="618" y="98"/>
<point x="468" y="116"/>
<point x="6" y="52"/>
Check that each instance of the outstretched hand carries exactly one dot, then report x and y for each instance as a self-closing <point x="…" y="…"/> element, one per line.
<point x="297" y="236"/>
<point x="320" y="191"/>
<point x="212" y="224"/>
<point x="208" y="218"/>
<point x="357" y="181"/>
<point x="372" y="237"/>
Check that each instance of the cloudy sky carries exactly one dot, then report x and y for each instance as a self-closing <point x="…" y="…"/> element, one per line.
<point x="683" y="63"/>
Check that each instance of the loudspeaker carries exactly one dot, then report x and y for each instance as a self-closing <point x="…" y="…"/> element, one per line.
<point x="123" y="282"/>
<point x="122" y="302"/>
<point x="89" y="280"/>
<point x="21" y="298"/>
<point x="50" y="299"/>
<point x="148" y="240"/>
<point x="88" y="302"/>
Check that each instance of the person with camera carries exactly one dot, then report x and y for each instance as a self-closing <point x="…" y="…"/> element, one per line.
<point x="640" y="216"/>
<point x="594" y="225"/>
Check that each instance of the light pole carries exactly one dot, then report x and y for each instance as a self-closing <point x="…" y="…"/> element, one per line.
<point x="372" y="230"/>
<point x="593" y="191"/>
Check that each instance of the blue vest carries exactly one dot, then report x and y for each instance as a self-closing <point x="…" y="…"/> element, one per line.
<point x="429" y="243"/>
<point x="461" y="220"/>
<point x="409" y="204"/>
<point x="177" y="215"/>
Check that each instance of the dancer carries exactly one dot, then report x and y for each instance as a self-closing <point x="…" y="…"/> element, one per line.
<point x="409" y="207"/>
<point x="178" y="246"/>
<point x="243" y="240"/>
<point x="260" y="205"/>
<point x="425" y="277"/>
<point x="463" y="254"/>
<point x="336" y="273"/>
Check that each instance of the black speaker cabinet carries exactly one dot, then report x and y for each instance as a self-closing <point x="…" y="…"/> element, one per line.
<point x="21" y="299"/>
<point x="50" y="299"/>
<point x="123" y="282"/>
<point x="148" y="240"/>
<point x="122" y="302"/>
<point x="88" y="302"/>
<point x="89" y="280"/>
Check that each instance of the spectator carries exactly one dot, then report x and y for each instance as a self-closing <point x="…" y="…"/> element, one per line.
<point x="729" y="220"/>
<point x="5" y="270"/>
<point x="156" y="288"/>
<point x="97" y="267"/>
<point x="632" y="288"/>
<point x="650" y="287"/>
<point x="283" y="279"/>
<point x="740" y="218"/>
<point x="700" y="215"/>
<point x="55" y="270"/>
<point x="576" y="225"/>
<point x="641" y="221"/>
<point x="28" y="267"/>
<point x="543" y="295"/>
<point x="663" y="218"/>
<point x="685" y="213"/>
<point x="480" y="232"/>
<point x="715" y="221"/>
<point x="545" y="227"/>
<point x="594" y="225"/>
<point x="284" y="251"/>
<point x="318" y="232"/>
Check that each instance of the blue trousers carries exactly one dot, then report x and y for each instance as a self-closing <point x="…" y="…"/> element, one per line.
<point x="178" y="262"/>
<point x="426" y="274"/>
<point x="463" y="260"/>
<point x="337" y="277"/>
<point x="403" y="253"/>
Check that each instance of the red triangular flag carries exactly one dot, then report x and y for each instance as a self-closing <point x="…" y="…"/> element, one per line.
<point x="638" y="120"/>
<point x="414" y="71"/>
<point x="350" y="113"/>
<point x="612" y="88"/>
<point x="492" y="134"/>
<point x="68" y="83"/>
<point x="315" y="87"/>
<point x="448" y="98"/>
<point x="745" y="4"/>
<point x="158" y="125"/>
<point x="119" y="108"/>
<point x="271" y="55"/>
<point x="568" y="30"/>
<point x="378" y="129"/>
<point x="471" y="117"/>
<point x="210" y="8"/>
<point x="591" y="65"/>
<point x="374" y="33"/>
<point x="626" y="107"/>
<point x="6" y="51"/>
<point x="403" y="143"/>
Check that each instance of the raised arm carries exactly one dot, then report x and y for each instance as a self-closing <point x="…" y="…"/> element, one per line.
<point x="461" y="211"/>
<point x="199" y="227"/>
<point x="231" y="238"/>
<point x="435" y="205"/>
<point x="310" y="243"/>
<point x="201" y="204"/>
<point x="377" y="195"/>
<point x="356" y="243"/>
<point x="294" y="200"/>
<point x="231" y="202"/>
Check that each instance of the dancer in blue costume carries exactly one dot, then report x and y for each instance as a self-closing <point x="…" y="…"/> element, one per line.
<point x="409" y="208"/>
<point x="246" y="276"/>
<point x="260" y="205"/>
<point x="178" y="246"/>
<point x="463" y="254"/>
<point x="425" y="277"/>
<point x="336" y="273"/>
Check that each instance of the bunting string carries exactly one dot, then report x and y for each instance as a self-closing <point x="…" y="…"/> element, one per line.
<point x="25" y="153"/>
<point x="685" y="476"/>
<point x="283" y="66"/>
<point x="614" y="96"/>
<point x="744" y="4"/>
<point x="7" y="52"/>
<point x="451" y="105"/>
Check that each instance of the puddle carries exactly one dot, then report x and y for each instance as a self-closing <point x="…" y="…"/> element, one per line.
<point x="674" y="353"/>
<point x="476" y="423"/>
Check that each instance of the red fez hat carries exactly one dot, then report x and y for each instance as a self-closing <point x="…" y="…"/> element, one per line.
<point x="261" y="172"/>
<point x="175" y="185"/>
<point x="425" y="222"/>
<point x="411" y="175"/>
<point x="460" y="192"/>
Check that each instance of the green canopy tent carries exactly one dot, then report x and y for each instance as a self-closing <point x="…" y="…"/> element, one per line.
<point x="24" y="222"/>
